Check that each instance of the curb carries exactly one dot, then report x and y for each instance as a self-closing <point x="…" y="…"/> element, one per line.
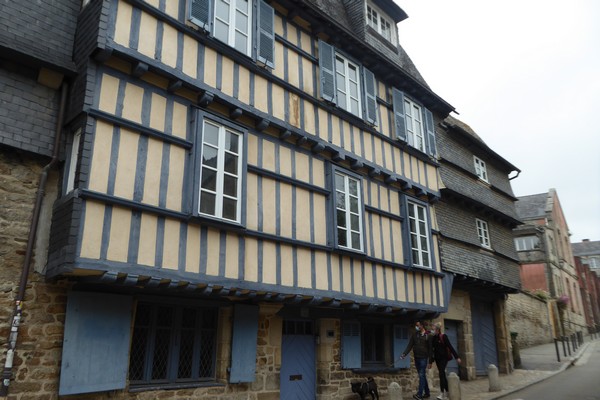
<point x="563" y="367"/>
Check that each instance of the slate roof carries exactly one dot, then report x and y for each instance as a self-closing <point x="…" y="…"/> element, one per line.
<point x="342" y="15"/>
<point x="586" y="248"/>
<point x="532" y="206"/>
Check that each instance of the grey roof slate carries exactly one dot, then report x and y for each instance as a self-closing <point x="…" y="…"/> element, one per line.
<point x="532" y="206"/>
<point x="586" y="248"/>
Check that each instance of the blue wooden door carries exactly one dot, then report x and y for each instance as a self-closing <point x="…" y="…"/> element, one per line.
<point x="451" y="330"/>
<point x="298" y="376"/>
<point x="484" y="336"/>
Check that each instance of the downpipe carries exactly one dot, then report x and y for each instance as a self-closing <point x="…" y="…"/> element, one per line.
<point x="18" y="308"/>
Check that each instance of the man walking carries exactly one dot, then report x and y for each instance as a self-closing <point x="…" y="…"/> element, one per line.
<point x="420" y="343"/>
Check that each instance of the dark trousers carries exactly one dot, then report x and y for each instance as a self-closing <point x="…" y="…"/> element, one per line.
<point x="441" y="365"/>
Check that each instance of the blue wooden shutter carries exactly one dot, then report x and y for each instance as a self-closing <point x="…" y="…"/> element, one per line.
<point x="266" y="34"/>
<point x="96" y="343"/>
<point x="370" y="97"/>
<point x="199" y="13"/>
<point x="351" y="349"/>
<point x="401" y="339"/>
<point x="327" y="70"/>
<point x="429" y="126"/>
<point x="243" y="345"/>
<point x="399" y="117"/>
<point x="447" y="288"/>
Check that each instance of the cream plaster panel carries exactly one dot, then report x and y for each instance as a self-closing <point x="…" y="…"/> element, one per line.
<point x="269" y="206"/>
<point x="261" y="87"/>
<point x="192" y="252"/>
<point x="176" y="174"/>
<point x="172" y="8"/>
<point x="309" y="117"/>
<point x="152" y="174"/>
<point x="171" y="244"/>
<point x="210" y="67"/>
<point x="101" y="157"/>
<point x="127" y="163"/>
<point x="169" y="46"/>
<point x="213" y="245"/>
<point x="158" y="112"/>
<point x="92" y="230"/>
<point x="323" y="131"/>
<point x="307" y="77"/>
<point x="304" y="268"/>
<point x="180" y="120"/>
<point x="147" y="245"/>
<point x="123" y="24"/>
<point x="287" y="266"/>
<point x="269" y="265"/>
<point x="321" y="275"/>
<point x="251" y="202"/>
<point x="320" y="213"/>
<point x="148" y="27"/>
<point x="303" y="221"/>
<point x="277" y="95"/>
<point x="268" y="155"/>
<point x="285" y="210"/>
<point x="335" y="273"/>
<point x="190" y="56"/>
<point x="251" y="260"/>
<point x="244" y="85"/>
<point x="109" y="91"/>
<point x="227" y="76"/>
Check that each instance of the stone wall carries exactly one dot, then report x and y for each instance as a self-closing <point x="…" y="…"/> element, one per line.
<point x="530" y="318"/>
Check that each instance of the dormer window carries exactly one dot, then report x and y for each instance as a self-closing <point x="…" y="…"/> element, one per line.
<point x="381" y="23"/>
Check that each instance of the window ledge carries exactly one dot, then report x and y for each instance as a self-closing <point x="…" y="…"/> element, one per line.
<point x="188" y="385"/>
<point x="376" y="370"/>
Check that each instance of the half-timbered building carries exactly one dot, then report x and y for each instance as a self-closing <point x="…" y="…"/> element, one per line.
<point x="247" y="200"/>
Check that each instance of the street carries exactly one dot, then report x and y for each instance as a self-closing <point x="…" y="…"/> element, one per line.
<point x="577" y="382"/>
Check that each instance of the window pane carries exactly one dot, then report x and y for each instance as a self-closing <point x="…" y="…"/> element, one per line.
<point x="207" y="203"/>
<point x="230" y="185"/>
<point x="356" y="241"/>
<point x="342" y="239"/>
<point x="340" y="200"/>
<point x="241" y="42"/>
<point x="424" y="245"/>
<point x="209" y="156"/>
<point x="209" y="179"/>
<point x="161" y="354"/>
<point x="231" y="142"/>
<point x="339" y="182"/>
<point x="231" y="164"/>
<point x="354" y="109"/>
<point x="341" y="219"/>
<point x="354" y="222"/>
<point x="241" y="22"/>
<point x="221" y="31"/>
<point x="353" y="187"/>
<point x="211" y="134"/>
<point x="186" y="354"/>
<point x="354" y="205"/>
<point x="341" y="99"/>
<point x="352" y="73"/>
<point x="242" y="5"/>
<point x="222" y="10"/>
<point x="230" y="209"/>
<point x="207" y="346"/>
<point x="426" y="260"/>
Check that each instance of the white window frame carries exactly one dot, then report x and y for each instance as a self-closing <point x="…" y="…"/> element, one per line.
<point x="527" y="243"/>
<point x="483" y="233"/>
<point x="221" y="174"/>
<point x="379" y="21"/>
<point x="420" y="235"/>
<point x="480" y="169"/>
<point x="345" y="92"/>
<point x="73" y="156"/>
<point x="231" y="24"/>
<point x="347" y="196"/>
<point x="415" y="131"/>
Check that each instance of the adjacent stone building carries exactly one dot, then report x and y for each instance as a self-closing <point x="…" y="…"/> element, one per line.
<point x="587" y="263"/>
<point x="547" y="263"/>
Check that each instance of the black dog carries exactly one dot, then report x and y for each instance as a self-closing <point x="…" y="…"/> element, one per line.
<point x="364" y="388"/>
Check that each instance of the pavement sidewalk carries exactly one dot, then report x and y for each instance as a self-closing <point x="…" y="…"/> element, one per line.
<point x="538" y="363"/>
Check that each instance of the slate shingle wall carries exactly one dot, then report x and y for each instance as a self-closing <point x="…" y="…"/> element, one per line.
<point x="28" y="113"/>
<point x="40" y="29"/>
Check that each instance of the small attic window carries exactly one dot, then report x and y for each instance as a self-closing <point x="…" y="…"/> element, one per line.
<point x="381" y="23"/>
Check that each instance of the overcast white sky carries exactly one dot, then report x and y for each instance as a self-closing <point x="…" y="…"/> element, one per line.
<point x="525" y="75"/>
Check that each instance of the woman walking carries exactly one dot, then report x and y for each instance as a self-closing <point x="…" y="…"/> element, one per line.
<point x="442" y="353"/>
